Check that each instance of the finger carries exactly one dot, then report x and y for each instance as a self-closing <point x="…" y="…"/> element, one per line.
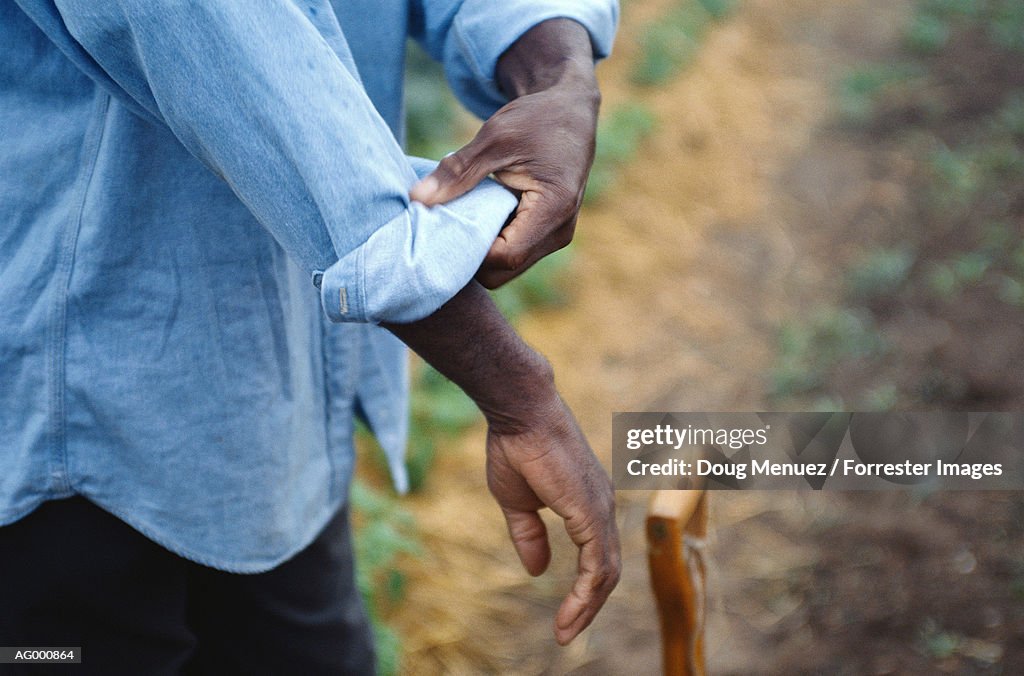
<point x="599" y="570"/>
<point x="514" y="251"/>
<point x="541" y="216"/>
<point x="530" y="538"/>
<point x="454" y="175"/>
<point x="492" y="277"/>
<point x="493" y="273"/>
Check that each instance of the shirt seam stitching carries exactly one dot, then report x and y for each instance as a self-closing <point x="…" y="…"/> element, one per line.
<point x="94" y="135"/>
<point x="326" y="367"/>
<point x="363" y="311"/>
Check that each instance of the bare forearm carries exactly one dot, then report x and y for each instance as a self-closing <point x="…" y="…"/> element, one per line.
<point x="537" y="455"/>
<point x="471" y="343"/>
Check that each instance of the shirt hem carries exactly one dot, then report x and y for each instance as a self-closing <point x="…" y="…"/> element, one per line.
<point x="260" y="565"/>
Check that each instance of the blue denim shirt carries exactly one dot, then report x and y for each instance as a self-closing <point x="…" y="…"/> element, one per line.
<point x="175" y="177"/>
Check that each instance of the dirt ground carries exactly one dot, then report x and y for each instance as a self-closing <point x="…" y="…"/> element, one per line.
<point x="736" y="213"/>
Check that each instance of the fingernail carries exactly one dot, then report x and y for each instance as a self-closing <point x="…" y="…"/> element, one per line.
<point x="425" y="189"/>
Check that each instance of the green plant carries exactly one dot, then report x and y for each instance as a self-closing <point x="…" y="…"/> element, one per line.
<point x="1010" y="118"/>
<point x="942" y="280"/>
<point x="927" y="33"/>
<point x="951" y="8"/>
<point x="933" y="22"/>
<point x="882" y="397"/>
<point x="809" y="349"/>
<point x="1011" y="291"/>
<point x="956" y="178"/>
<point x="879" y="273"/>
<point x="540" y="287"/>
<point x="936" y="643"/>
<point x="947" y="279"/>
<point x="619" y="135"/>
<point x="826" y="405"/>
<point x="440" y="412"/>
<point x="430" y="110"/>
<point x="719" y="9"/>
<point x="441" y="404"/>
<point x="996" y="237"/>
<point x="1006" y="24"/>
<point x="666" y="50"/>
<point x="383" y="534"/>
<point x="971" y="266"/>
<point x="1018" y="258"/>
<point x="670" y="43"/>
<point x="964" y="222"/>
<point x="861" y="90"/>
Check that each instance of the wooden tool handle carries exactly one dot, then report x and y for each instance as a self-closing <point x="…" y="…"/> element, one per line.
<point x="676" y="533"/>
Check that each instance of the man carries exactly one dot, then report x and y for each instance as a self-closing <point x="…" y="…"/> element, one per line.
<point x="189" y="189"/>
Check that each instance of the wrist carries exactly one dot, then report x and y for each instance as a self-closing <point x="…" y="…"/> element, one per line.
<point x="554" y="53"/>
<point x="469" y="341"/>
<point x="525" y="396"/>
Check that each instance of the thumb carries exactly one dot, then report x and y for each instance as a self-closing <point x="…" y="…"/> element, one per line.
<point x="530" y="538"/>
<point x="455" y="175"/>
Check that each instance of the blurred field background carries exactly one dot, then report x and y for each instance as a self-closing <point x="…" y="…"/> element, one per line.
<point x="796" y="205"/>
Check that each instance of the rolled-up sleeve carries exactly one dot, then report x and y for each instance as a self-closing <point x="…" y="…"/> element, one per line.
<point x="469" y="36"/>
<point x="266" y="95"/>
<point x="413" y="264"/>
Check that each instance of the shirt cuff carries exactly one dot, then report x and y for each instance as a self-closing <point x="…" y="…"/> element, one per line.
<point x="484" y="31"/>
<point x="415" y="263"/>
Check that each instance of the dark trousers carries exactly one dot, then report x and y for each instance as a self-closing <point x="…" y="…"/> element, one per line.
<point x="73" y="575"/>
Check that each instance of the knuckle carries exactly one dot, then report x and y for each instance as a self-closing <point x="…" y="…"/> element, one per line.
<point x="612" y="573"/>
<point x="600" y="580"/>
<point x="608" y="578"/>
<point x="529" y="532"/>
<point x="590" y="526"/>
<point x="454" y="165"/>
<point x="614" y="576"/>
